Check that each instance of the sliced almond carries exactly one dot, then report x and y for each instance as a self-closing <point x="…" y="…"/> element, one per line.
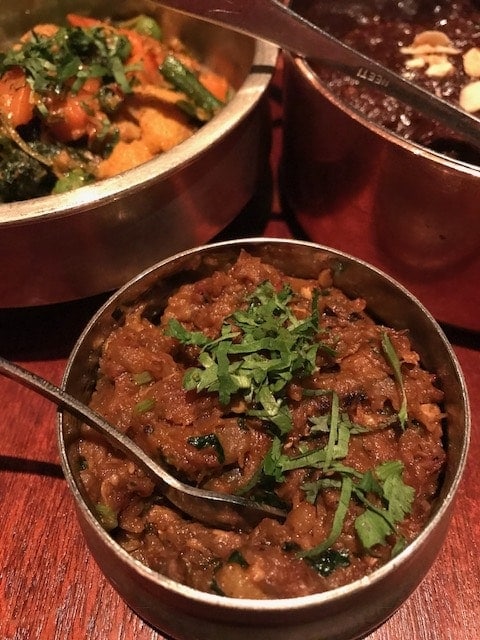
<point x="439" y="69"/>
<point x="433" y="48"/>
<point x="415" y="63"/>
<point x="470" y="97"/>
<point x="471" y="62"/>
<point x="427" y="49"/>
<point x="433" y="38"/>
<point x="428" y="42"/>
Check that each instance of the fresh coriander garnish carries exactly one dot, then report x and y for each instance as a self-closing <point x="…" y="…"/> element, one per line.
<point x="206" y="441"/>
<point x="144" y="405"/>
<point x="69" y="57"/>
<point x="339" y="427"/>
<point x="144" y="377"/>
<point x="259" y="351"/>
<point x="393" y="498"/>
<point x="394" y="362"/>
<point x="329" y="560"/>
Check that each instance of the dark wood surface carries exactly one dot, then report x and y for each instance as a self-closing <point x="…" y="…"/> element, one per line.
<point x="50" y="587"/>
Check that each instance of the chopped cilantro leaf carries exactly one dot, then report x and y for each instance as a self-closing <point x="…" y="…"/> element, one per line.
<point x="260" y="350"/>
<point x="144" y="405"/>
<point x="206" y="441"/>
<point x="237" y="558"/>
<point x="327" y="561"/>
<point x="66" y="59"/>
<point x="394" y="362"/>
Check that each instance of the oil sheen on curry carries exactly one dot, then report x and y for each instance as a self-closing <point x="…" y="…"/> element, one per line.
<point x="88" y="100"/>
<point x="282" y="389"/>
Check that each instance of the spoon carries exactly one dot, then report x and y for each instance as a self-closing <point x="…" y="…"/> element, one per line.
<point x="217" y="509"/>
<point x="274" y="22"/>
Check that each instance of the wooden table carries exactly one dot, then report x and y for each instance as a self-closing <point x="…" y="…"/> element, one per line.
<point x="51" y="588"/>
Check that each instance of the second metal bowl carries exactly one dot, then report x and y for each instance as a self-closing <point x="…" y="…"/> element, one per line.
<point x="68" y="246"/>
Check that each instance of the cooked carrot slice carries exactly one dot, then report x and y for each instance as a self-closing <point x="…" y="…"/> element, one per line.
<point x="16" y="97"/>
<point x="217" y="85"/>
<point x="84" y="22"/>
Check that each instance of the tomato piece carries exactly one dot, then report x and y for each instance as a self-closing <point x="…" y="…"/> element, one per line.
<point x="217" y="85"/>
<point x="16" y="97"/>
<point x="147" y="54"/>
<point x="75" y="115"/>
<point x="84" y="22"/>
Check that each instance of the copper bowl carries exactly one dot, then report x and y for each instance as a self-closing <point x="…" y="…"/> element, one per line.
<point x="92" y="240"/>
<point x="343" y="613"/>
<point x="360" y="188"/>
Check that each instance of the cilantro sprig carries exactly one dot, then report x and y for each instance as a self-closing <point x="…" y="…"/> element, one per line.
<point x="259" y="351"/>
<point x="66" y="59"/>
<point x="394" y="362"/>
<point x="381" y="491"/>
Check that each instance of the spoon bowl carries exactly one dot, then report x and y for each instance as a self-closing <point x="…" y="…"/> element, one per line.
<point x="214" y="508"/>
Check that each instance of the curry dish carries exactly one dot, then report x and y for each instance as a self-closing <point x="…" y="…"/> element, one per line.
<point x="259" y="384"/>
<point x="89" y="100"/>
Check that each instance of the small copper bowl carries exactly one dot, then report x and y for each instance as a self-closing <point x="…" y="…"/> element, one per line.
<point x="341" y="614"/>
<point x="354" y="185"/>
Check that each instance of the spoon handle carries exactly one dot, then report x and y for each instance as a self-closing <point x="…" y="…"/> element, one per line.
<point x="274" y="22"/>
<point x="80" y="410"/>
<point x="219" y="509"/>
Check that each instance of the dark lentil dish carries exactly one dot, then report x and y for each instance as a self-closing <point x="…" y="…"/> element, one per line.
<point x="385" y="31"/>
<point x="256" y="383"/>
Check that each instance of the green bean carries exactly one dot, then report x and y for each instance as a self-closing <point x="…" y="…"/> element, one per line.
<point x="185" y="81"/>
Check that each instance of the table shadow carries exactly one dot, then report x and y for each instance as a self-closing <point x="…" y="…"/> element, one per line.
<point x="16" y="464"/>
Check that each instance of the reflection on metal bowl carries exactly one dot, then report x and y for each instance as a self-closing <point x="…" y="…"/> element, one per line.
<point x="68" y="246"/>
<point x="360" y="188"/>
<point x="341" y="614"/>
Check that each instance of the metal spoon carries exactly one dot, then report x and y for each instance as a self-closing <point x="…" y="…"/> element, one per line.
<point x="217" y="509"/>
<point x="274" y="22"/>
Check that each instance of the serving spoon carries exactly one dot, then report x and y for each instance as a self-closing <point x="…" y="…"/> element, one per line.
<point x="217" y="509"/>
<point x="272" y="21"/>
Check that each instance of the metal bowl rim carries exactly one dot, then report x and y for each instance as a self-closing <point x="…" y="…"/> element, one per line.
<point x="301" y="602"/>
<point x="389" y="136"/>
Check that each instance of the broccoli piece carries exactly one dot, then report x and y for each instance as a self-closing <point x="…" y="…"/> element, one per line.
<point x="21" y="176"/>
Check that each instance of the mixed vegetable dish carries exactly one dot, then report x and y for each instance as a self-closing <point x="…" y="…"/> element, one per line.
<point x="86" y="101"/>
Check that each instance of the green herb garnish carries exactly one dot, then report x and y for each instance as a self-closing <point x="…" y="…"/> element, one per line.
<point x="329" y="560"/>
<point x="206" y="441"/>
<point x="260" y="350"/>
<point x="385" y="483"/>
<point x="144" y="377"/>
<point x="107" y="516"/>
<point x="144" y="405"/>
<point x="394" y="362"/>
<point x="69" y="57"/>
